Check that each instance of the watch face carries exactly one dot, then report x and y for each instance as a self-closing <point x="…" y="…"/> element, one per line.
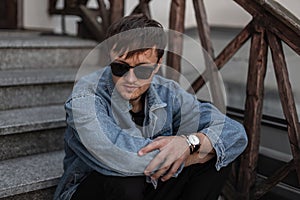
<point x="194" y="139"/>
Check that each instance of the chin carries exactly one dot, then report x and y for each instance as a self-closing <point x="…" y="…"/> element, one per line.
<point x="129" y="96"/>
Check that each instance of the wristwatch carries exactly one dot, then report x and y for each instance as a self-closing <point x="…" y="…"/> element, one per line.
<point x="193" y="142"/>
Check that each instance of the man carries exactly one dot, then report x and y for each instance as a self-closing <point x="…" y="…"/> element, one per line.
<point x="132" y="134"/>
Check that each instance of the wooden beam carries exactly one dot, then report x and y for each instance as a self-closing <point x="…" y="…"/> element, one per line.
<point x="176" y="23"/>
<point x="286" y="27"/>
<point x="253" y="111"/>
<point x="90" y="19"/>
<point x="104" y="14"/>
<point x="230" y="50"/>
<point x="286" y="97"/>
<point x="273" y="180"/>
<point x="226" y="54"/>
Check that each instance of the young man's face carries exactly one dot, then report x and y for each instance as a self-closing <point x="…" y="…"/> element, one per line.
<point x="133" y="84"/>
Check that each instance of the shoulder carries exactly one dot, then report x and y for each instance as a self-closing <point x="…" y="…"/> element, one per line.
<point x="89" y="84"/>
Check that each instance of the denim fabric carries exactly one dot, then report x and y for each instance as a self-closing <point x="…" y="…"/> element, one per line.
<point x="101" y="136"/>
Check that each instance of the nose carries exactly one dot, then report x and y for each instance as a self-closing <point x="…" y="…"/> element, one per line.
<point x="130" y="76"/>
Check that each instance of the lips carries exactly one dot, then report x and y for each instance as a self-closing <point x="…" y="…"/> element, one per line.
<point x="130" y="88"/>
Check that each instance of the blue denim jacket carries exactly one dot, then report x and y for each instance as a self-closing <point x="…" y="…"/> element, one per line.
<point x="101" y="136"/>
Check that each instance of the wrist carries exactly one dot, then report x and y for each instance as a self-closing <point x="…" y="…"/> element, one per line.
<point x="188" y="143"/>
<point x="193" y="142"/>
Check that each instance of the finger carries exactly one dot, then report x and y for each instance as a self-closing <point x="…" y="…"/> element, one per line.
<point x="172" y="171"/>
<point x="160" y="172"/>
<point x="155" y="164"/>
<point x="150" y="147"/>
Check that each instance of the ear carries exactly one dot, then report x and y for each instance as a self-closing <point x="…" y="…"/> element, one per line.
<point x="158" y="65"/>
<point x="160" y="61"/>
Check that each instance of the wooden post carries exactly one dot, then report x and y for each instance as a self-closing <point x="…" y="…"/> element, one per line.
<point x="253" y="112"/>
<point x="116" y="10"/>
<point x="104" y="14"/>
<point x="9" y="14"/>
<point x="286" y="97"/>
<point x="52" y="6"/>
<point x="176" y="23"/>
<point x="208" y="53"/>
<point x="90" y="20"/>
<point x="203" y="27"/>
<point x="142" y="7"/>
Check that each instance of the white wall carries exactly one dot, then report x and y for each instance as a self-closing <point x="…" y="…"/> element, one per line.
<point x="36" y="16"/>
<point x="220" y="13"/>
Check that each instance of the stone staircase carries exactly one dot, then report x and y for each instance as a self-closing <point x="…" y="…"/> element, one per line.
<point x="37" y="72"/>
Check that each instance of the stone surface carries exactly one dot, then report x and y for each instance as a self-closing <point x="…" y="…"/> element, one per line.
<point x="41" y="58"/>
<point x="25" y="50"/>
<point x="34" y="95"/>
<point x="44" y="194"/>
<point x="29" y="143"/>
<point x="14" y="39"/>
<point x="36" y="76"/>
<point x="31" y="119"/>
<point x="30" y="173"/>
<point x="20" y="88"/>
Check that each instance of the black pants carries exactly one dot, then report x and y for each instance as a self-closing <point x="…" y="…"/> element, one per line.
<point x="193" y="183"/>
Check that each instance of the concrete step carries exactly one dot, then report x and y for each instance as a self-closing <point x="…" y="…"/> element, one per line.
<point x="31" y="177"/>
<point x="34" y="50"/>
<point x="31" y="130"/>
<point x="35" y="87"/>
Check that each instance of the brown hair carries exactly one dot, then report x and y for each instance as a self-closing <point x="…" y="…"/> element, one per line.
<point x="144" y="33"/>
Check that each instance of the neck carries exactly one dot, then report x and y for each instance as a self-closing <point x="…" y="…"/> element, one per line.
<point x="137" y="104"/>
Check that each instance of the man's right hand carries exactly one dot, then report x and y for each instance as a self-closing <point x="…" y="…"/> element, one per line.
<point x="174" y="151"/>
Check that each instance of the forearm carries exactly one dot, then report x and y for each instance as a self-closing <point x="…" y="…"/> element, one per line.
<point x="106" y="144"/>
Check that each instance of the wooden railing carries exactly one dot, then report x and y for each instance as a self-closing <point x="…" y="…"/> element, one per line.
<point x="270" y="25"/>
<point x="94" y="21"/>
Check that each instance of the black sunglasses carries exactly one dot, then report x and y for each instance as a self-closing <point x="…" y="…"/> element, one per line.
<point x="140" y="71"/>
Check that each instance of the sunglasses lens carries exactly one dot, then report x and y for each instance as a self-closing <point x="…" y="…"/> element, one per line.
<point x="119" y="69"/>
<point x="143" y="72"/>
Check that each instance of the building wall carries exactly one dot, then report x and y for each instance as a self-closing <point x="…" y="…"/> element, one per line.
<point x="220" y="13"/>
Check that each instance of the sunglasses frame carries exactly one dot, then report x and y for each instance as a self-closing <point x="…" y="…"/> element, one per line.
<point x="138" y="74"/>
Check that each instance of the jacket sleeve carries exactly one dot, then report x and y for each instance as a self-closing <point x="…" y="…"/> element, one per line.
<point x="108" y="145"/>
<point x="227" y="136"/>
